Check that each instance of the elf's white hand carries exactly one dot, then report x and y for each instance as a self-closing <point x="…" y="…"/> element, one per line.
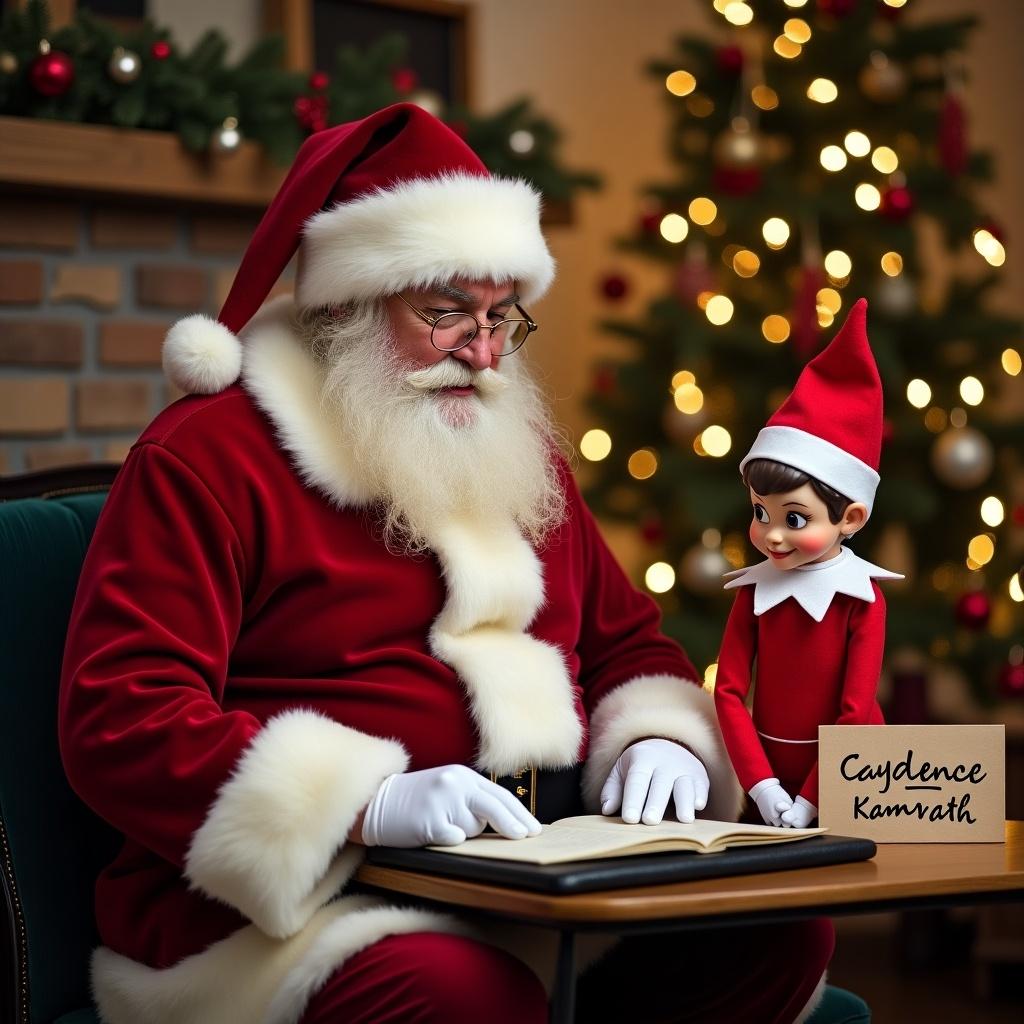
<point x="772" y="800"/>
<point x="442" y="806"/>
<point x="800" y="815"/>
<point x="647" y="774"/>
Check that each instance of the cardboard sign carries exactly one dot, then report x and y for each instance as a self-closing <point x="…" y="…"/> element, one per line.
<point x="913" y="783"/>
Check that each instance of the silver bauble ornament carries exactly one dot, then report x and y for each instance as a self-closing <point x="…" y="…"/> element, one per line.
<point x="896" y="297"/>
<point x="702" y="568"/>
<point x="227" y="138"/>
<point x="124" y="66"/>
<point x="882" y="80"/>
<point x="962" y="457"/>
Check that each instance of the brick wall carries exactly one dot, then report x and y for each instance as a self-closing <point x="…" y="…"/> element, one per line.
<point x="87" y="291"/>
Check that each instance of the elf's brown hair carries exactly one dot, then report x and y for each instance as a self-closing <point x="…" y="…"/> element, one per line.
<point x="768" y="477"/>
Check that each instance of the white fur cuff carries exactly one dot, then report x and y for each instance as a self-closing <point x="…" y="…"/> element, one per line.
<point x="270" y="843"/>
<point x="673" y="708"/>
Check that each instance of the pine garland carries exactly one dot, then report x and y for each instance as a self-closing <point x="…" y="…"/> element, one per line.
<point x="194" y="93"/>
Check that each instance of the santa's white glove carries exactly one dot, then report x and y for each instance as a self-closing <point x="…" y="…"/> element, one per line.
<point x="647" y="774"/>
<point x="772" y="800"/>
<point x="442" y="806"/>
<point x="800" y="815"/>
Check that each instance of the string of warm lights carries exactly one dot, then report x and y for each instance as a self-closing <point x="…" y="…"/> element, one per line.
<point x="862" y="158"/>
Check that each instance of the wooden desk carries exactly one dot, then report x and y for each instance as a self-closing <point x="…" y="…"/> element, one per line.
<point x="899" y="876"/>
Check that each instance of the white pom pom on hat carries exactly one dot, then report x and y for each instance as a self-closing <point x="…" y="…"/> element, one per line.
<point x="201" y="356"/>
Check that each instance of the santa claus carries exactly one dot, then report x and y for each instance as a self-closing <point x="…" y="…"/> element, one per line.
<point x="338" y="601"/>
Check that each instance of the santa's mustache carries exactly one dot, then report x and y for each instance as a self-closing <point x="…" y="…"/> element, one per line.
<point x="451" y="373"/>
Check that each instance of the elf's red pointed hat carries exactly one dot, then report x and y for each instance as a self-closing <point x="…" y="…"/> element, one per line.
<point x="374" y="207"/>
<point x="830" y="426"/>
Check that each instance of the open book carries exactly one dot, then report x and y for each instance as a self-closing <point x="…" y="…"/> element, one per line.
<point x="593" y="836"/>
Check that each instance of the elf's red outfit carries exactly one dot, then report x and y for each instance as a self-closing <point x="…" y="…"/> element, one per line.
<point x="247" y="661"/>
<point x="815" y="631"/>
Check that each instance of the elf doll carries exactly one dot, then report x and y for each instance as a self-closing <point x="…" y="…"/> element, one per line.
<point x="811" y="614"/>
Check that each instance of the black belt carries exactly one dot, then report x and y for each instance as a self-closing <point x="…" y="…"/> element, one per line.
<point x="547" y="793"/>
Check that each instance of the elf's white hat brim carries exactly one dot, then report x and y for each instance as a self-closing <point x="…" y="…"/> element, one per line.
<point x="818" y="458"/>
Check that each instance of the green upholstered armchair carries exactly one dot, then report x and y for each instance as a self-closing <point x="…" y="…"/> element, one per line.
<point x="51" y="845"/>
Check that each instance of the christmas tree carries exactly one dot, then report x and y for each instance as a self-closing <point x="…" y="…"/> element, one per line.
<point x="811" y="148"/>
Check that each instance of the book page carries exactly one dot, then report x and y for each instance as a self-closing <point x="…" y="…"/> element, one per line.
<point x="593" y="836"/>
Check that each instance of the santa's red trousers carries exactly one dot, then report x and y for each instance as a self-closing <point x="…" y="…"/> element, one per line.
<point x="743" y="975"/>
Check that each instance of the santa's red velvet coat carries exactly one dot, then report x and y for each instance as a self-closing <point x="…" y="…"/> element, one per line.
<point x="808" y="674"/>
<point x="247" y="661"/>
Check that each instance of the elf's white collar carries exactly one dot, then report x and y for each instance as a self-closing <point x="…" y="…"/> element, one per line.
<point x="811" y="586"/>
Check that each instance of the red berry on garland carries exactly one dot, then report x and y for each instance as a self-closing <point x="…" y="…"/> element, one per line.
<point x="160" y="50"/>
<point x="311" y="112"/>
<point x="973" y="610"/>
<point x="404" y="79"/>
<point x="729" y="60"/>
<point x="614" y="287"/>
<point x="897" y="203"/>
<point x="319" y="80"/>
<point x="52" y="72"/>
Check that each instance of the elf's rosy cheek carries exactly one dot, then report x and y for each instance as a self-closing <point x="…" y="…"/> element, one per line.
<point x="813" y="540"/>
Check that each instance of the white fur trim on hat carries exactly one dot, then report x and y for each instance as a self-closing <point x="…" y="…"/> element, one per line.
<point x="422" y="231"/>
<point x="819" y="458"/>
<point x="201" y="356"/>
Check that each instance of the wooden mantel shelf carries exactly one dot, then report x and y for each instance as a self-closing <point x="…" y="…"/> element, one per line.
<point x="80" y="159"/>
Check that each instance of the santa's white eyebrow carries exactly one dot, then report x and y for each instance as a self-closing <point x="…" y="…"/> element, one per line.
<point x="456" y="294"/>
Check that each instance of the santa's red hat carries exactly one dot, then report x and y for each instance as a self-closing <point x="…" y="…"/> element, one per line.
<point x="394" y="201"/>
<point x="830" y="426"/>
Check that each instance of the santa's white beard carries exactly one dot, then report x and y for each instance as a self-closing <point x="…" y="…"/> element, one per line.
<point x="429" y="456"/>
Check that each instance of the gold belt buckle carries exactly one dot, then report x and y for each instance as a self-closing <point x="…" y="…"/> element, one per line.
<point x="522" y="784"/>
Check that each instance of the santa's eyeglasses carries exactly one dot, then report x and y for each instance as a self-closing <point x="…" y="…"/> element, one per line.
<point x="451" y="331"/>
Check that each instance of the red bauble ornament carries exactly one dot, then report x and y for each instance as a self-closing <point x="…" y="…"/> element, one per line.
<point x="650" y="222"/>
<point x="52" y="73"/>
<point x="404" y="79"/>
<point x="603" y="382"/>
<point x="953" y="135"/>
<point x="737" y="181"/>
<point x="311" y="113"/>
<point x="837" y="8"/>
<point x="160" y="50"/>
<point x="652" y="528"/>
<point x="806" y="331"/>
<point x="1011" y="681"/>
<point x="897" y="203"/>
<point x="729" y="60"/>
<point x="614" y="287"/>
<point x="973" y="610"/>
<point x="319" y="80"/>
<point x="1018" y="518"/>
